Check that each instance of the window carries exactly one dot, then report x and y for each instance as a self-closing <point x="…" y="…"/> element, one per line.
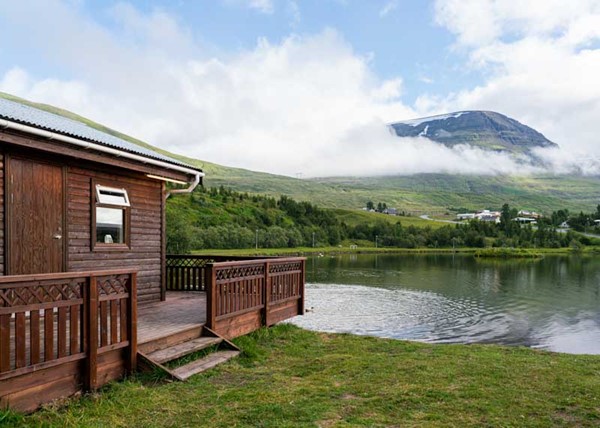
<point x="111" y="196"/>
<point x="110" y="225"/>
<point x="111" y="218"/>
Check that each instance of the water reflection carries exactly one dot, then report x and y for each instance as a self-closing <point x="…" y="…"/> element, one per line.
<point x="550" y="303"/>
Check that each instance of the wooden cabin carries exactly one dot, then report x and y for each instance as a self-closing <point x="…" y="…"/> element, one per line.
<point x="87" y="291"/>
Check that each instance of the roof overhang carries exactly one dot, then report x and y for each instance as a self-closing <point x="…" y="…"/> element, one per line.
<point x="159" y="169"/>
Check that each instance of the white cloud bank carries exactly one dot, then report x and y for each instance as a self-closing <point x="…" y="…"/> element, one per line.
<point x="543" y="62"/>
<point x="308" y="104"/>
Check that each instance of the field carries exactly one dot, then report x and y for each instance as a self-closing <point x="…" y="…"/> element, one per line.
<point x="288" y="377"/>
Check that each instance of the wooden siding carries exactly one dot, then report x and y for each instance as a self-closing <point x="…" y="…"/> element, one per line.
<point x="2" y="252"/>
<point x="145" y="253"/>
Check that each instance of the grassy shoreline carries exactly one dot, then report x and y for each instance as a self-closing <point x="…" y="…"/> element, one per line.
<point x="305" y="251"/>
<point x="288" y="377"/>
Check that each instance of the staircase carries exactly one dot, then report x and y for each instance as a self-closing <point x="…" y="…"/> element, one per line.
<point x="174" y="354"/>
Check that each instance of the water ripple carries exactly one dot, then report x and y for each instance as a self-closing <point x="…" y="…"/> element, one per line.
<point x="432" y="317"/>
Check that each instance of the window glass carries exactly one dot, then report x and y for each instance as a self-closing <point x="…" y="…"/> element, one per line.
<point x="110" y="225"/>
<point x="112" y="196"/>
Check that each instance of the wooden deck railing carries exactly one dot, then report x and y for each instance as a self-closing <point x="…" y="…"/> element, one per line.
<point x="187" y="272"/>
<point x="244" y="295"/>
<point x="65" y="332"/>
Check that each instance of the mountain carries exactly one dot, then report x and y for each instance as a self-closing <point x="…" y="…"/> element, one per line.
<point x="415" y="193"/>
<point x="486" y="129"/>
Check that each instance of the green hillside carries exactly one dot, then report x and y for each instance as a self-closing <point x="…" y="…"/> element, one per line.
<point x="417" y="193"/>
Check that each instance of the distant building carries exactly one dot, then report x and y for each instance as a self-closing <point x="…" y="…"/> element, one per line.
<point x="525" y="220"/>
<point x="529" y="214"/>
<point x="465" y="216"/>
<point x="390" y="211"/>
<point x="487" y="215"/>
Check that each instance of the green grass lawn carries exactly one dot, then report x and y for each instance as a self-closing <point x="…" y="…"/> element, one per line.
<point x="304" y="251"/>
<point x="288" y="377"/>
<point x="345" y="249"/>
<point x="356" y="217"/>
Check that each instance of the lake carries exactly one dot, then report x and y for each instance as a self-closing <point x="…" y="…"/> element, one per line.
<point x="552" y="303"/>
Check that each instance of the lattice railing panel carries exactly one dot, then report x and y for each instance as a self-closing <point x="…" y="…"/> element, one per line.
<point x="18" y="295"/>
<point x="238" y="272"/>
<point x="191" y="261"/>
<point x="43" y="317"/>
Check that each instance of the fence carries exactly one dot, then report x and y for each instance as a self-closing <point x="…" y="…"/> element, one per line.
<point x="65" y="332"/>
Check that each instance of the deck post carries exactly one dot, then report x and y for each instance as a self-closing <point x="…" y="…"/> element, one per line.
<point x="301" y="301"/>
<point x="211" y="296"/>
<point x="91" y="326"/>
<point x="132" y="324"/>
<point x="267" y="294"/>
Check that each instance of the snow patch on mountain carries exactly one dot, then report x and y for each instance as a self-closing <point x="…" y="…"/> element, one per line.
<point x="416" y="122"/>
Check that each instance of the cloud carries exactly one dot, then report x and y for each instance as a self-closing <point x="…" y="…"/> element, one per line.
<point x="293" y="11"/>
<point x="262" y="6"/>
<point x="541" y="60"/>
<point x="388" y="7"/>
<point x="306" y="104"/>
<point x="279" y="107"/>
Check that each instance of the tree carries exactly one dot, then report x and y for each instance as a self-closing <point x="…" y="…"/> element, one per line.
<point x="370" y="205"/>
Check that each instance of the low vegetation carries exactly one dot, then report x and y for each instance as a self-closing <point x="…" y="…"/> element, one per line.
<point x="508" y="253"/>
<point x="224" y="219"/>
<point x="288" y="377"/>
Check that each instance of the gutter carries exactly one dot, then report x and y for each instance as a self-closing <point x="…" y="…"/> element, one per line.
<point x="108" y="150"/>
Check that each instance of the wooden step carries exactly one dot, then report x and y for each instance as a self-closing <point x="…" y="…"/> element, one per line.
<point x="182" y="349"/>
<point x="203" y="364"/>
<point x="170" y="339"/>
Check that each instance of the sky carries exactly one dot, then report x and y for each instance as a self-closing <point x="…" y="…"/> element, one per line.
<point x="306" y="87"/>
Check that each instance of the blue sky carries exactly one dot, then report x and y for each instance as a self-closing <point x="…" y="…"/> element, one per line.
<point x="291" y="86"/>
<point x="399" y="37"/>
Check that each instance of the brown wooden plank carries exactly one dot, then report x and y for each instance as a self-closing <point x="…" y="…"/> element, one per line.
<point x="235" y="326"/>
<point x="267" y="295"/>
<point x="103" y="324"/>
<point x="131" y="364"/>
<point x="62" y="332"/>
<point x="283" y="311"/>
<point x="4" y="343"/>
<point x="91" y="309"/>
<point x="50" y="389"/>
<point x="114" y="322"/>
<point x="48" y="334"/>
<point x="123" y="319"/>
<point x="20" y="332"/>
<point x="29" y="376"/>
<point x="74" y="329"/>
<point x="203" y="364"/>
<point x="34" y="337"/>
<point x="163" y="242"/>
<point x="33" y="279"/>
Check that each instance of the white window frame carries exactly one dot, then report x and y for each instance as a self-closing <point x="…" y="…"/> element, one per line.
<point x="120" y="191"/>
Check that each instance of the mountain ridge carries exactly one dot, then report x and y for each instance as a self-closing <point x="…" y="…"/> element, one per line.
<point x="488" y="130"/>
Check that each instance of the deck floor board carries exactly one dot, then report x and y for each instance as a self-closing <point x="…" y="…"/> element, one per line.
<point x="180" y="311"/>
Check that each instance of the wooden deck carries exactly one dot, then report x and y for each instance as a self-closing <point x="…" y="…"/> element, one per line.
<point x="181" y="311"/>
<point x="64" y="333"/>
